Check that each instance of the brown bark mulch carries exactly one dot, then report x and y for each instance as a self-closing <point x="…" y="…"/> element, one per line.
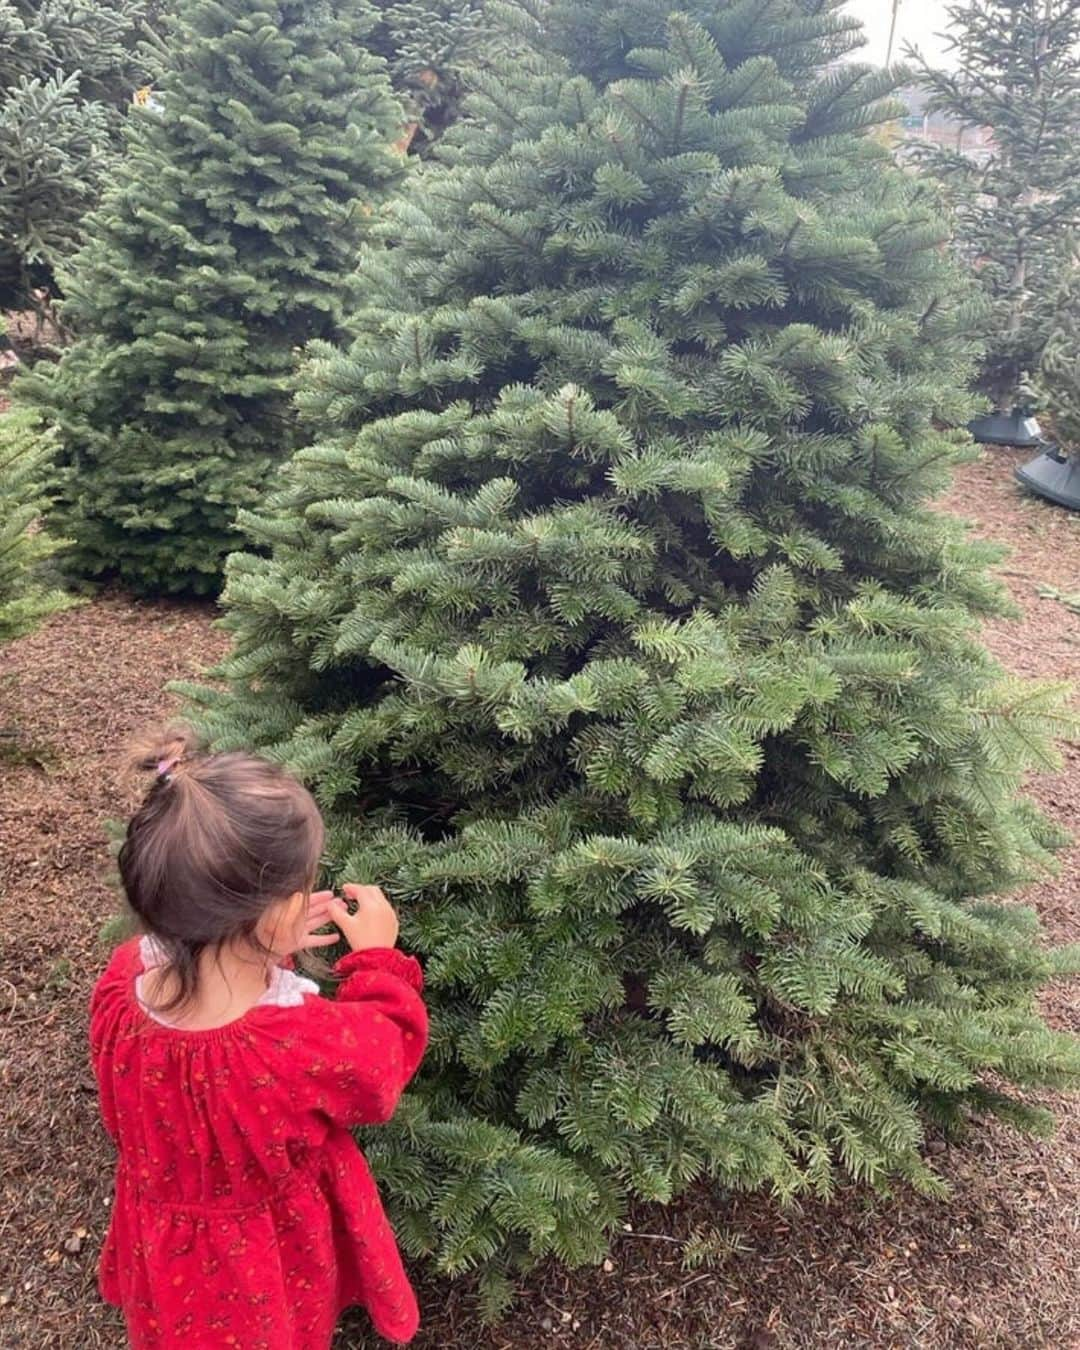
<point x="997" y="1266"/>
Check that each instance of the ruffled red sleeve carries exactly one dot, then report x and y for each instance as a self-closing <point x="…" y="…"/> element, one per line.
<point x="359" y="1049"/>
<point x="108" y="1004"/>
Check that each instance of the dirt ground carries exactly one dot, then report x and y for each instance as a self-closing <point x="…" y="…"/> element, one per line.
<point x="998" y="1266"/>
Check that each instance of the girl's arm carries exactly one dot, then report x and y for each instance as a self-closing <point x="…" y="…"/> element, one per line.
<point x="360" y="1049"/>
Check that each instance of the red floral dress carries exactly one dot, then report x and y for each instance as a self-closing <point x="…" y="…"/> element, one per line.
<point x="245" y="1216"/>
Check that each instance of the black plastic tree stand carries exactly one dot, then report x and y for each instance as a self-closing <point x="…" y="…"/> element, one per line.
<point x="1054" y="476"/>
<point x="1015" y="428"/>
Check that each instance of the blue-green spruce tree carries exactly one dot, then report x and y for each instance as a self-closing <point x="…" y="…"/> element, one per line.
<point x="608" y="620"/>
<point x="220" y="250"/>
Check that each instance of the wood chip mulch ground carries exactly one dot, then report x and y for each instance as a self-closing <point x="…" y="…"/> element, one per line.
<point x="998" y="1266"/>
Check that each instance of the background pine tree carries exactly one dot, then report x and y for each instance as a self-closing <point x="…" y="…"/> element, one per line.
<point x="67" y="68"/>
<point x="1058" y="385"/>
<point x="607" y="620"/>
<point x="217" y="253"/>
<point x="26" y="596"/>
<point x="1017" y="70"/>
<point x="428" y="45"/>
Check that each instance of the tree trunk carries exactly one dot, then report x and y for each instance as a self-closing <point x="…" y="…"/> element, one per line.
<point x="1017" y="281"/>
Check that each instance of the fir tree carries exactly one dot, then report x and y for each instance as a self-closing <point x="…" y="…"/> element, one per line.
<point x="1058" y="384"/>
<point x="218" y="252"/>
<point x="53" y="151"/>
<point x="25" y="597"/>
<point x="608" y="621"/>
<point x="1017" y="70"/>
<point x="428" y="46"/>
<point x="98" y="39"/>
<point x="67" y="67"/>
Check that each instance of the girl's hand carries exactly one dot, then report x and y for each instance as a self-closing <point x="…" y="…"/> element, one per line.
<point x="318" y="916"/>
<point x="373" y="923"/>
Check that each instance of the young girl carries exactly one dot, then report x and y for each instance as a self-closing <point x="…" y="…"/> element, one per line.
<point x="245" y="1215"/>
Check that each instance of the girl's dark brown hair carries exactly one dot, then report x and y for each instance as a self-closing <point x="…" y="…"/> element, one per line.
<point x="217" y="840"/>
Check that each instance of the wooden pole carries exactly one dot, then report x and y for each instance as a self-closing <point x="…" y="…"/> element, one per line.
<point x="892" y="31"/>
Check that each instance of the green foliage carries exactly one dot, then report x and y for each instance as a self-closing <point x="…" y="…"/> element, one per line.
<point x="608" y="621"/>
<point x="428" y="46"/>
<point x="218" y="252"/>
<point x="25" y="597"/>
<point x="99" y="39"/>
<point x="1017" y="70"/>
<point x="54" y="147"/>
<point x="66" y="68"/>
<point x="1058" y="386"/>
<point x="712" y="1247"/>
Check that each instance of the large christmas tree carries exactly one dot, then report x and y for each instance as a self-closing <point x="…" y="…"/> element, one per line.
<point x="218" y="252"/>
<point x="1015" y="68"/>
<point x="608" y="621"/>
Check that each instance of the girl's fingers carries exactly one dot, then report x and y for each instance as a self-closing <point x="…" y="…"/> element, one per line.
<point x="338" y="911"/>
<point x="363" y="895"/>
<point x="319" y="905"/>
<point x="320" y="940"/>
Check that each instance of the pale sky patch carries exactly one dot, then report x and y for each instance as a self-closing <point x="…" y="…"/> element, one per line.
<point x="919" y="22"/>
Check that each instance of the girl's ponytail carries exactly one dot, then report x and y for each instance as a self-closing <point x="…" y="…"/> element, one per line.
<point x="166" y="750"/>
